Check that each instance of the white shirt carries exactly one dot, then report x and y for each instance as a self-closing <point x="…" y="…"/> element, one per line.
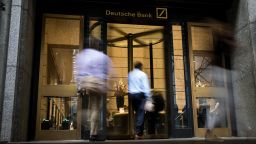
<point x="138" y="82"/>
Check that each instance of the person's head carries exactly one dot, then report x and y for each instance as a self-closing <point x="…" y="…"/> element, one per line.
<point x="138" y="65"/>
<point x="94" y="43"/>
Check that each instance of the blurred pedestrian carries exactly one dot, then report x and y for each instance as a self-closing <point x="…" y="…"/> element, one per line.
<point x="213" y="117"/>
<point x="224" y="46"/>
<point x="153" y="116"/>
<point x="92" y="68"/>
<point x="138" y="92"/>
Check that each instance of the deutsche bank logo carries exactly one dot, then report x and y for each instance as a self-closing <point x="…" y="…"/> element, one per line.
<point x="161" y="13"/>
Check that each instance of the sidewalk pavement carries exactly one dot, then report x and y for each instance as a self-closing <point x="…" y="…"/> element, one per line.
<point x="194" y="140"/>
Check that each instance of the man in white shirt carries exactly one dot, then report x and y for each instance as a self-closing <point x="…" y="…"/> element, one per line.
<point x="138" y="92"/>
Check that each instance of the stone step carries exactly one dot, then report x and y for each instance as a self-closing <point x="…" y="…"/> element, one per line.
<point x="223" y="140"/>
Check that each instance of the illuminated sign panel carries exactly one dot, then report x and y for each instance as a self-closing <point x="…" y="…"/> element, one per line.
<point x="161" y="13"/>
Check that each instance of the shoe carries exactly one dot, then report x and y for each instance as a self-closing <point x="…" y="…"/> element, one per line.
<point x="137" y="137"/>
<point x="210" y="136"/>
<point x="93" y="138"/>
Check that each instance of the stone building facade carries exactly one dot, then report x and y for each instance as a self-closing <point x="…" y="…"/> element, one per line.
<point x="18" y="69"/>
<point x="244" y="62"/>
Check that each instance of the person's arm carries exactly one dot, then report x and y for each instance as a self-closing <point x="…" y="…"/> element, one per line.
<point x="146" y="87"/>
<point x="215" y="107"/>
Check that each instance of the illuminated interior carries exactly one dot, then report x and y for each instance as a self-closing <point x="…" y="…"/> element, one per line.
<point x="58" y="100"/>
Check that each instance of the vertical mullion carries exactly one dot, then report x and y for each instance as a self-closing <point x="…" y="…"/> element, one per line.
<point x="151" y="65"/>
<point x="130" y="67"/>
<point x="84" y="99"/>
<point x="189" y="108"/>
<point x="104" y="49"/>
<point x="168" y="48"/>
<point x="86" y="32"/>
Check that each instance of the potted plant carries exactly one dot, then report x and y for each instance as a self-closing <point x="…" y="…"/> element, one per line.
<point x="120" y="92"/>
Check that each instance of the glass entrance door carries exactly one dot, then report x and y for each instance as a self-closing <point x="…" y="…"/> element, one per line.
<point x="58" y="105"/>
<point x="209" y="84"/>
<point x="126" y="44"/>
<point x="94" y="27"/>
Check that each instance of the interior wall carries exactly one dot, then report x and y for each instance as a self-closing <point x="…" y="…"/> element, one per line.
<point x="179" y="76"/>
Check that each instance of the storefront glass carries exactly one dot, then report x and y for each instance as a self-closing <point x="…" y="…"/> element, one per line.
<point x="209" y="83"/>
<point x="57" y="97"/>
<point x="147" y="47"/>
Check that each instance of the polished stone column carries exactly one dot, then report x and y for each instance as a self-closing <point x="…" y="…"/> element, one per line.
<point x="4" y="34"/>
<point x="244" y="65"/>
<point x="18" y="71"/>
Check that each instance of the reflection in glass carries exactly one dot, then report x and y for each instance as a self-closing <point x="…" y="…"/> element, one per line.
<point x="204" y="73"/>
<point x="60" y="64"/>
<point x="209" y="111"/>
<point x="59" y="113"/>
<point x="61" y="39"/>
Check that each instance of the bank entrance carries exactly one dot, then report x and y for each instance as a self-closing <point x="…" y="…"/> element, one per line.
<point x="175" y="57"/>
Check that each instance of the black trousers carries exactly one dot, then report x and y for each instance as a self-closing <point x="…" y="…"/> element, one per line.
<point x="152" y="120"/>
